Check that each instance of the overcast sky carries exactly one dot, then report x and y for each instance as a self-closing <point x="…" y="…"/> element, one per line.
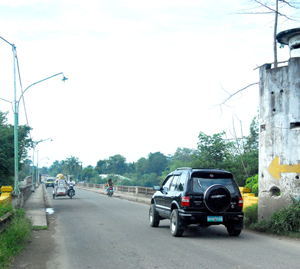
<point x="143" y="76"/>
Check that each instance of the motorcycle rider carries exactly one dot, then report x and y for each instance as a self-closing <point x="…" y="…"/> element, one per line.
<point x="109" y="184"/>
<point x="72" y="183"/>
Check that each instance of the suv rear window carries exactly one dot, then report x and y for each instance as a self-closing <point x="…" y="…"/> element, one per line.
<point x="201" y="184"/>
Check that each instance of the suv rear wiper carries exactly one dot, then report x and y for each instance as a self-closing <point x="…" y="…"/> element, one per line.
<point x="199" y="184"/>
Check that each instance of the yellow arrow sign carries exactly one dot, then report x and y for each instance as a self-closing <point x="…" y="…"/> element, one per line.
<point x="275" y="168"/>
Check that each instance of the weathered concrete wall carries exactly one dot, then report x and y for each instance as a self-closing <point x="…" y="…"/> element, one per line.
<point x="279" y="149"/>
<point x="18" y="200"/>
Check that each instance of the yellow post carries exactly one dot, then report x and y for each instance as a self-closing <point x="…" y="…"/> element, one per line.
<point x="248" y="197"/>
<point x="5" y="197"/>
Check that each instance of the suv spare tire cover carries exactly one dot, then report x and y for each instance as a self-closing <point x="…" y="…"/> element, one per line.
<point x="217" y="198"/>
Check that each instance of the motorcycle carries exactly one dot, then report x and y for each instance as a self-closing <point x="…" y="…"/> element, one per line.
<point x="71" y="191"/>
<point x="62" y="189"/>
<point x="110" y="191"/>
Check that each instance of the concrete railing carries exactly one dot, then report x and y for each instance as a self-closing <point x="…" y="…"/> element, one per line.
<point x="133" y="190"/>
<point x="248" y="197"/>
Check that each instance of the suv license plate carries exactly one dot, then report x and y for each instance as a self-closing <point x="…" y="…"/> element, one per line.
<point x="215" y="218"/>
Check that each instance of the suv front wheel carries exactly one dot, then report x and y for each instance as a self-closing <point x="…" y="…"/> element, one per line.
<point x="176" y="224"/>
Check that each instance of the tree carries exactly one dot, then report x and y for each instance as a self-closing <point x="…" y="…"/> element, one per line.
<point x="213" y="150"/>
<point x="141" y="167"/>
<point x="7" y="164"/>
<point x="90" y="175"/>
<point x="56" y="168"/>
<point x="72" y="166"/>
<point x="116" y="164"/>
<point x="157" y="163"/>
<point x="26" y="169"/>
<point x="101" y="167"/>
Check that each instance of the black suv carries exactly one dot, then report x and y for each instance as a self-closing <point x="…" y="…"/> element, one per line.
<point x="198" y="196"/>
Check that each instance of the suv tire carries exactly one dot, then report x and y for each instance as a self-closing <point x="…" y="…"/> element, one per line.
<point x="217" y="198"/>
<point x="153" y="216"/>
<point x="176" y="225"/>
<point x="233" y="232"/>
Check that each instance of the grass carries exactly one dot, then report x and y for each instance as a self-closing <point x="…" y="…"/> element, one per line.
<point x="39" y="228"/>
<point x="5" y="208"/>
<point x="284" y="222"/>
<point x="15" y="237"/>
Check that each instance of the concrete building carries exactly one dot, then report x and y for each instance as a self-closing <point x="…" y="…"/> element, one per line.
<point x="279" y="139"/>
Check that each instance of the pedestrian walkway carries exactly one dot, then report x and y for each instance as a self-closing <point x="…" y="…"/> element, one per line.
<point x="35" y="207"/>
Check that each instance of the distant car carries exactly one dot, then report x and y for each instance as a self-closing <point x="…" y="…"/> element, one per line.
<point x="50" y="181"/>
<point x="198" y="196"/>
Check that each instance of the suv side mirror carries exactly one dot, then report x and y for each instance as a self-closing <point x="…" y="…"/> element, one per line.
<point x="157" y="188"/>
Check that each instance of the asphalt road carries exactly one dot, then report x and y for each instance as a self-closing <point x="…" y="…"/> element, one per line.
<point x="95" y="231"/>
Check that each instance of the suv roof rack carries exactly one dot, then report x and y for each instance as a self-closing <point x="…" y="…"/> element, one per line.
<point x="184" y="168"/>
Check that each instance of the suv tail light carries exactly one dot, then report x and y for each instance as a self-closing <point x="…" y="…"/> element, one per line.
<point x="185" y="201"/>
<point x="241" y="202"/>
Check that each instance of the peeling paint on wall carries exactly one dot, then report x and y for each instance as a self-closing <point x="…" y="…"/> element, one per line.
<point x="279" y="142"/>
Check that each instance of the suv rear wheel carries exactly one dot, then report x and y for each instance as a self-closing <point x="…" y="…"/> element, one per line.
<point x="233" y="232"/>
<point x="153" y="216"/>
<point x="176" y="225"/>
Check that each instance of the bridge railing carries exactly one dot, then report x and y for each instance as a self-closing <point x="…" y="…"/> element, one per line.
<point x="133" y="190"/>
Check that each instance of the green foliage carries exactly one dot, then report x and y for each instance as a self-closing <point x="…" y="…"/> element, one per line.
<point x="70" y="166"/>
<point x="286" y="220"/>
<point x="114" y="165"/>
<point x="90" y="175"/>
<point x="5" y="208"/>
<point x="56" y="168"/>
<point x="26" y="169"/>
<point x="156" y="163"/>
<point x="283" y="222"/>
<point x="7" y="163"/>
<point x="213" y="150"/>
<point x="15" y="237"/>
<point x="252" y="183"/>
<point x="251" y="215"/>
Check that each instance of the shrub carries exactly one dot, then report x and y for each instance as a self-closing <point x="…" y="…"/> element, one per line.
<point x="4" y="209"/>
<point x="251" y="215"/>
<point x="15" y="237"/>
<point x="252" y="183"/>
<point x="286" y="220"/>
<point x="283" y="222"/>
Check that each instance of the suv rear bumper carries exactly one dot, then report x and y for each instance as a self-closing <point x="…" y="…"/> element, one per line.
<point x="194" y="217"/>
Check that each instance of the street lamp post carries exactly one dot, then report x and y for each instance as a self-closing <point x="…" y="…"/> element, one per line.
<point x="32" y="175"/>
<point x="16" y="113"/>
<point x="16" y="122"/>
<point x="37" y="168"/>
